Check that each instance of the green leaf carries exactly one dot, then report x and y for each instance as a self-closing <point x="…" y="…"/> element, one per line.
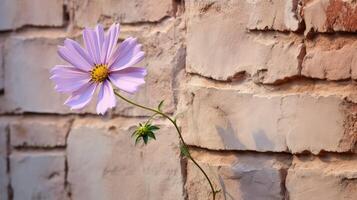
<point x="153" y="128"/>
<point x="160" y="105"/>
<point x="146" y="139"/>
<point x="152" y="135"/>
<point x="184" y="151"/>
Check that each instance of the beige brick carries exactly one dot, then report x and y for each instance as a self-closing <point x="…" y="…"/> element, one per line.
<point x="243" y="120"/>
<point x="279" y="15"/>
<point x="217" y="30"/>
<point x="17" y="13"/>
<point x="238" y="175"/>
<point x="38" y="175"/>
<point x="330" y="15"/>
<point x="330" y="58"/>
<point x="149" y="172"/>
<point x="27" y="63"/>
<point x="89" y="12"/>
<point x="46" y="131"/>
<point x="329" y="177"/>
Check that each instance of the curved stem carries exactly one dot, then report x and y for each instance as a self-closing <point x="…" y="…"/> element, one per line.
<point x="152" y="116"/>
<point x="214" y="192"/>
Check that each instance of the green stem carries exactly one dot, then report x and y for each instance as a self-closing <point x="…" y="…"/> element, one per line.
<point x="150" y="118"/>
<point x="214" y="192"/>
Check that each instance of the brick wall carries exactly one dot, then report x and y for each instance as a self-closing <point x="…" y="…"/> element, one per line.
<point x="264" y="92"/>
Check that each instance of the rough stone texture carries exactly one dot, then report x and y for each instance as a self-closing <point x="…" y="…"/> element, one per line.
<point x="279" y="15"/>
<point x="261" y="122"/>
<point x="240" y="176"/>
<point x="331" y="58"/>
<point x="165" y="58"/>
<point x="89" y="12"/>
<point x="38" y="175"/>
<point x="17" y="13"/>
<point x="330" y="15"/>
<point x="217" y="30"/>
<point x="4" y="180"/>
<point x="45" y="131"/>
<point x="27" y="63"/>
<point x="329" y="177"/>
<point x="248" y="88"/>
<point x="117" y="168"/>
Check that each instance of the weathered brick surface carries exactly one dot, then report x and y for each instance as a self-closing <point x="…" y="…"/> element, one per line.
<point x="331" y="58"/>
<point x="47" y="131"/>
<point x="267" y="122"/>
<point x="38" y="175"/>
<point x="330" y="177"/>
<point x="17" y="13"/>
<point x="115" y="167"/>
<point x="217" y="30"/>
<point x="89" y="12"/>
<point x="330" y="15"/>
<point x="239" y="176"/>
<point x="27" y="63"/>
<point x="272" y="80"/>
<point x="279" y="15"/>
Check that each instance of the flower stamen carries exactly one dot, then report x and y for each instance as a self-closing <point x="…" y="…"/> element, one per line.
<point x="100" y="73"/>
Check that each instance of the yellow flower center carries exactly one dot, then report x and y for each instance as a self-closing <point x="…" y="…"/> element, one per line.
<point x="99" y="73"/>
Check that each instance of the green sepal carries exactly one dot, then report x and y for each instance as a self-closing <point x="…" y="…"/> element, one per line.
<point x="144" y="132"/>
<point x="145" y="139"/>
<point x="151" y="135"/>
<point x="153" y="127"/>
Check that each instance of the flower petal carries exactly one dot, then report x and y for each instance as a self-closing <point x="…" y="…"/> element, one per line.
<point x="106" y="98"/>
<point x="119" y="50"/>
<point x="128" y="54"/>
<point x="92" y="44"/>
<point x="67" y="70"/>
<point x="81" y="97"/>
<point x="68" y="79"/>
<point x="110" y="42"/>
<point x="80" y="53"/>
<point x="72" y="58"/>
<point x="100" y="35"/>
<point x="128" y="79"/>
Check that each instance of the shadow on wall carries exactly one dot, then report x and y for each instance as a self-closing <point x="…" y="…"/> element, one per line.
<point x="230" y="139"/>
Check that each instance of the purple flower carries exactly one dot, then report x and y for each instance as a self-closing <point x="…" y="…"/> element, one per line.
<point x="97" y="66"/>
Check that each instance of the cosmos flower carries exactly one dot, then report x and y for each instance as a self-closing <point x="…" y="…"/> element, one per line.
<point x="101" y="65"/>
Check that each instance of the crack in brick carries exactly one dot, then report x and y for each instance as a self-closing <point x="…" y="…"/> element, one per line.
<point x="8" y="167"/>
<point x="67" y="185"/>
